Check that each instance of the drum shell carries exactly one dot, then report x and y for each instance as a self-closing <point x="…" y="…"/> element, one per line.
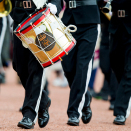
<point x="54" y="42"/>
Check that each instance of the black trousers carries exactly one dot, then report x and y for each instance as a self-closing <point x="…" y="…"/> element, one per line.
<point x="32" y="78"/>
<point x="110" y="83"/>
<point x="77" y="67"/>
<point x="120" y="54"/>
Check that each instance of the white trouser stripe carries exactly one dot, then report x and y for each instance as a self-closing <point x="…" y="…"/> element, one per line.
<point x="39" y="98"/>
<point x="128" y="109"/>
<point x="87" y="79"/>
<point x="87" y="82"/>
<point x="2" y="35"/>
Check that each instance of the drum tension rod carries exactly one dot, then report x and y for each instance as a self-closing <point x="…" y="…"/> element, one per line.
<point x="60" y="58"/>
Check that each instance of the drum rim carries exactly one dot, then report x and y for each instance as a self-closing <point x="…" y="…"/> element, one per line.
<point x="16" y="31"/>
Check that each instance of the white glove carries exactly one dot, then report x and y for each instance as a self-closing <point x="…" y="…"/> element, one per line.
<point x="53" y="8"/>
<point x="39" y="3"/>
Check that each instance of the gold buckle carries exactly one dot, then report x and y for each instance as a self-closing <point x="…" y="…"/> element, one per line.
<point x="121" y="13"/>
<point x="26" y="4"/>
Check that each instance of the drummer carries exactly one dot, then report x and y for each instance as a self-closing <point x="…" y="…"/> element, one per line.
<point x="78" y="64"/>
<point x="28" y="69"/>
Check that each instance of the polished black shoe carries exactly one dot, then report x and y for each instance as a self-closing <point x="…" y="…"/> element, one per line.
<point x="111" y="107"/>
<point x="119" y="120"/>
<point x="26" y="123"/>
<point x="87" y="113"/>
<point x="73" y="121"/>
<point x="43" y="116"/>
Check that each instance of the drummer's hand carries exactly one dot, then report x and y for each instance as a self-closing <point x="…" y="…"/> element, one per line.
<point x="53" y="8"/>
<point x="39" y="3"/>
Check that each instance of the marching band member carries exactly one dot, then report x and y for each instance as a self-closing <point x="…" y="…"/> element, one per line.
<point x="28" y="68"/>
<point x="78" y="64"/>
<point x="110" y="82"/>
<point x="120" y="54"/>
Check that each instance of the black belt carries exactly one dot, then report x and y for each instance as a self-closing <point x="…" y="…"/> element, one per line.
<point x="24" y="4"/>
<point x="75" y="4"/>
<point x="121" y="13"/>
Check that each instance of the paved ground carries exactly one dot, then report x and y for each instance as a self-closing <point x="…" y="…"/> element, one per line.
<point x="11" y="98"/>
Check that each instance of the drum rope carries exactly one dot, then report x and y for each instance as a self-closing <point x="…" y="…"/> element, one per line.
<point x="48" y="19"/>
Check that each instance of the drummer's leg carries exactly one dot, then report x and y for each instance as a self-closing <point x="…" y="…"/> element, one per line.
<point x="31" y="75"/>
<point x="85" y="49"/>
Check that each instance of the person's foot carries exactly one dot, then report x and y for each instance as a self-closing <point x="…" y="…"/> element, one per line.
<point x="119" y="120"/>
<point x="73" y="121"/>
<point x="87" y="113"/>
<point x="26" y="123"/>
<point x="43" y="116"/>
<point x="111" y="107"/>
<point x="100" y="95"/>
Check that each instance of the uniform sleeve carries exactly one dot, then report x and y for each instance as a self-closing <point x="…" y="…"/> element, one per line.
<point x="100" y="3"/>
<point x="58" y="3"/>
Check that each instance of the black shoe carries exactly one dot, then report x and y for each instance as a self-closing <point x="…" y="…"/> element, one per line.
<point x="43" y="116"/>
<point x="87" y="113"/>
<point x="73" y="121"/>
<point x="119" y="120"/>
<point x="111" y="107"/>
<point x="26" y="123"/>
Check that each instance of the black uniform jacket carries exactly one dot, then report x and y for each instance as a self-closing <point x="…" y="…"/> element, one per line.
<point x="116" y="22"/>
<point x="19" y="14"/>
<point x="82" y="14"/>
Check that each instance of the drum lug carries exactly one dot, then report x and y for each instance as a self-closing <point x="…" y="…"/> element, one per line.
<point x="66" y="53"/>
<point x="44" y="13"/>
<point x="30" y="15"/>
<point x="60" y="58"/>
<point x="19" y="24"/>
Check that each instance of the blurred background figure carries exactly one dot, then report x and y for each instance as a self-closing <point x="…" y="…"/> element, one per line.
<point x="110" y="83"/>
<point x="60" y="79"/>
<point x="120" y="55"/>
<point x="5" y="42"/>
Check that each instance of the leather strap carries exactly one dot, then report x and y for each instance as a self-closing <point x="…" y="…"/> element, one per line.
<point x="24" y="4"/>
<point x="76" y="3"/>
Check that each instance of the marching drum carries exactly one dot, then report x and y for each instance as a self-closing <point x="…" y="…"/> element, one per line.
<point x="45" y="36"/>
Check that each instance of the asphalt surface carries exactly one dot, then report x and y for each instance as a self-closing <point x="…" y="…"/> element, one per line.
<point x="12" y="96"/>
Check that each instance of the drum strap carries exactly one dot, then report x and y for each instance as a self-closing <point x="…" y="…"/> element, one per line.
<point x="76" y="3"/>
